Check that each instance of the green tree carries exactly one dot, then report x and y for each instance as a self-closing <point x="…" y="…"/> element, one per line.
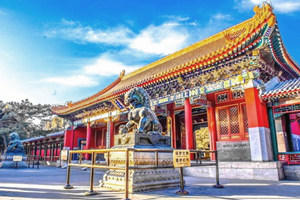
<point x="26" y="118"/>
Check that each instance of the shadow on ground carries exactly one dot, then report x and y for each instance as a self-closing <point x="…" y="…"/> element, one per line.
<point x="48" y="182"/>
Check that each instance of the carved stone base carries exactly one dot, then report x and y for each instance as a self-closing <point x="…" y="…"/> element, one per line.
<point x="7" y="162"/>
<point x="141" y="140"/>
<point x="141" y="179"/>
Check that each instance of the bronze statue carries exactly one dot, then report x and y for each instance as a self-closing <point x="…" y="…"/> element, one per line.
<point x="15" y="146"/>
<point x="141" y="119"/>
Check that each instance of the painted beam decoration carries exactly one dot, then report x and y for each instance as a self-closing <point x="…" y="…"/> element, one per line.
<point x="98" y="117"/>
<point x="196" y="93"/>
<point x="286" y="108"/>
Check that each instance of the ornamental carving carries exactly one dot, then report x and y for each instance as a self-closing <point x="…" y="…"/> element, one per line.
<point x="202" y="138"/>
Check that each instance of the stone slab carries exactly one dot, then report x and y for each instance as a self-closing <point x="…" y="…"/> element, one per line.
<point x="240" y="170"/>
<point x="292" y="172"/>
<point x="234" y="151"/>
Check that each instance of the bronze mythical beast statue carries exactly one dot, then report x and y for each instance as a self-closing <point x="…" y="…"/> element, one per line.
<point x="15" y="145"/>
<point x="141" y="119"/>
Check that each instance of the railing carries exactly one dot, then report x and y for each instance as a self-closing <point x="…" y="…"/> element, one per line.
<point x="51" y="158"/>
<point x="290" y="158"/>
<point x="93" y="165"/>
<point x="33" y="160"/>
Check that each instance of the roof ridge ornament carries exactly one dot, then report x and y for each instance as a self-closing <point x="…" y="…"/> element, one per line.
<point x="122" y="74"/>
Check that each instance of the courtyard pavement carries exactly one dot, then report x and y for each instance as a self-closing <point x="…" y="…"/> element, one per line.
<point x="48" y="182"/>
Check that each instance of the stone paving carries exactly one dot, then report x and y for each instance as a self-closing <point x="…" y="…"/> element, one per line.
<point x="47" y="183"/>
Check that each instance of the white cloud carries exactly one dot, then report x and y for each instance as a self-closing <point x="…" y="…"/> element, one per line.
<point x="160" y="40"/>
<point x="72" y="30"/>
<point x="164" y="39"/>
<point x="90" y="75"/>
<point x="75" y="80"/>
<point x="280" y="6"/>
<point x="221" y="16"/>
<point x="176" y="18"/>
<point x="106" y="66"/>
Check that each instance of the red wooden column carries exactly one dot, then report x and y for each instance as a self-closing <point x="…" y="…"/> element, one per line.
<point x="111" y="133"/>
<point x="72" y="138"/>
<point x="256" y="109"/>
<point x="188" y="124"/>
<point x="259" y="132"/>
<point x="66" y="137"/>
<point x="88" y="139"/>
<point x="103" y="133"/>
<point x="211" y="120"/>
<point x="170" y="108"/>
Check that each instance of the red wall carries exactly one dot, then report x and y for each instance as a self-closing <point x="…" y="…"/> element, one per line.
<point x="67" y="139"/>
<point x="79" y="133"/>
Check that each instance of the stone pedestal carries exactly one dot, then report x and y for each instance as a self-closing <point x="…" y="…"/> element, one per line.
<point x="260" y="144"/>
<point x="7" y="161"/>
<point x="141" y="179"/>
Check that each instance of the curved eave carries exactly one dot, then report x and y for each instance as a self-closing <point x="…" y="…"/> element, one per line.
<point x="33" y="139"/>
<point x="281" y="55"/>
<point x="283" y="89"/>
<point x="40" y="138"/>
<point x="279" y="95"/>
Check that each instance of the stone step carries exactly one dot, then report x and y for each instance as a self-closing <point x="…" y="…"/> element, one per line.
<point x="240" y="170"/>
<point x="292" y="172"/>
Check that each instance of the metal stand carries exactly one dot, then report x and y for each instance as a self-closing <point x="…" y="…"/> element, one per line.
<point x="68" y="186"/>
<point x="91" y="191"/>
<point x="182" y="191"/>
<point x="38" y="163"/>
<point x="218" y="185"/>
<point x="126" y="175"/>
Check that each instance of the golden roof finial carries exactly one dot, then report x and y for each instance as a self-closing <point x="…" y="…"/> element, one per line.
<point x="122" y="73"/>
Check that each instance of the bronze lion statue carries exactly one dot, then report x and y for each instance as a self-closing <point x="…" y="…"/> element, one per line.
<point x="141" y="119"/>
<point x="15" y="145"/>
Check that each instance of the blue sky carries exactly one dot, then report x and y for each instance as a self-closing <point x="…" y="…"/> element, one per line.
<point x="56" y="51"/>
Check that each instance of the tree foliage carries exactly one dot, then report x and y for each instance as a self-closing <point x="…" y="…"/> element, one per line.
<point x="28" y="119"/>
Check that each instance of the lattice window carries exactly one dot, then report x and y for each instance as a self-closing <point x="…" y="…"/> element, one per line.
<point x="222" y="97"/>
<point x="237" y="94"/>
<point x="223" y="122"/>
<point x="234" y="120"/>
<point x="230" y="122"/>
<point x="245" y="118"/>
